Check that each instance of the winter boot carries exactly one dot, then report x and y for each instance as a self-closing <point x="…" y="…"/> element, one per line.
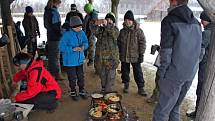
<point x="74" y="95"/>
<point x="83" y="94"/>
<point x="126" y="86"/>
<point x="142" y="92"/>
<point x="152" y="99"/>
<point x="191" y="115"/>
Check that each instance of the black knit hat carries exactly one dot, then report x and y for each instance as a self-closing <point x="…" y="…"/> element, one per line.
<point x="75" y="21"/>
<point x="129" y="15"/>
<point x="111" y="16"/>
<point x="204" y="16"/>
<point x="73" y="7"/>
<point x="29" y="9"/>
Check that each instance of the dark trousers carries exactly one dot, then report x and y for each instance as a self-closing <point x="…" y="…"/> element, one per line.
<point x="43" y="100"/>
<point x="156" y="89"/>
<point x="138" y="74"/>
<point x="32" y="45"/>
<point x="76" y="73"/>
<point x="201" y="78"/>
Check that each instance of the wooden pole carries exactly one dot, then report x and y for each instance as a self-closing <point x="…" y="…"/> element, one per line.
<point x="206" y="107"/>
<point x="12" y="44"/>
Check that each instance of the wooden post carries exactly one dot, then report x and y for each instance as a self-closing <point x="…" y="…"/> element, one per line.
<point x="114" y="8"/>
<point x="12" y="44"/>
<point x="206" y="107"/>
<point x="3" y="74"/>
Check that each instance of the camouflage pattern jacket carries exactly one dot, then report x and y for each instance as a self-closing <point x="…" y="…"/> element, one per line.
<point x="107" y="53"/>
<point x="131" y="43"/>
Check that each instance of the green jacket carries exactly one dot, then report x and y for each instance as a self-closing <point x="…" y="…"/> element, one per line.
<point x="107" y="53"/>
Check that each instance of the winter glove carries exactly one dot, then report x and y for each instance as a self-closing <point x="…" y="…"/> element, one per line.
<point x="140" y="59"/>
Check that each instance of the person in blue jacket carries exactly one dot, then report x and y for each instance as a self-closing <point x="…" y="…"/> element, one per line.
<point x="72" y="45"/>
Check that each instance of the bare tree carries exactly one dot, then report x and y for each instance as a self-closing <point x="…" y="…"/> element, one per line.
<point x="114" y="8"/>
<point x="206" y="108"/>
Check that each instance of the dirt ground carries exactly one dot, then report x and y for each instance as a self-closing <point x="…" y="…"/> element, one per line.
<point x="69" y="110"/>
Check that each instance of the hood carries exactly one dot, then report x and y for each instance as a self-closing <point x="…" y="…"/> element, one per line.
<point x="34" y="64"/>
<point x="136" y="25"/>
<point x="184" y="13"/>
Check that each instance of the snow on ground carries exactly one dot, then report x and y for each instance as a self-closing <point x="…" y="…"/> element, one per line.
<point x="152" y="34"/>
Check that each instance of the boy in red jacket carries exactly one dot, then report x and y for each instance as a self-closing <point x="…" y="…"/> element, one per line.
<point x="42" y="89"/>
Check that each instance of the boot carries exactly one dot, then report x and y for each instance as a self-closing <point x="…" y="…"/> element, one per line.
<point x="152" y="99"/>
<point x="191" y="115"/>
<point x="142" y="92"/>
<point x="74" y="95"/>
<point x="83" y="94"/>
<point x="126" y="86"/>
<point x="90" y="62"/>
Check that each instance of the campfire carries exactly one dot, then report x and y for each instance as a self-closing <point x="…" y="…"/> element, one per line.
<point x="108" y="107"/>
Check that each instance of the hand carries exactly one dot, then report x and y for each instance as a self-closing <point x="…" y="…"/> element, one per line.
<point x="78" y="48"/>
<point x="14" y="85"/>
<point x="12" y="98"/>
<point x="140" y="59"/>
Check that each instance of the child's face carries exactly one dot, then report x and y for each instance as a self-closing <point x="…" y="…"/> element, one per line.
<point x="30" y="14"/>
<point x="77" y="29"/>
<point x="22" y="66"/>
<point x="109" y="21"/>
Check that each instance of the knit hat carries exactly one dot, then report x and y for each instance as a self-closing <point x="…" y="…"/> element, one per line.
<point x="204" y="16"/>
<point x="29" y="9"/>
<point x="129" y="15"/>
<point x="21" y="58"/>
<point x="88" y="8"/>
<point x="75" y="21"/>
<point x="111" y="16"/>
<point x="73" y="7"/>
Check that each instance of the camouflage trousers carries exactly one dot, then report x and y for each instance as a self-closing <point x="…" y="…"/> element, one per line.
<point x="90" y="52"/>
<point x="32" y="46"/>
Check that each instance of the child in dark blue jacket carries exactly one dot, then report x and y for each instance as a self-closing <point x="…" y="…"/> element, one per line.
<point x="72" y="45"/>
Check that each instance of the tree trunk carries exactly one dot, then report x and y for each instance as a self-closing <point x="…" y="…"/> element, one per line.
<point x="206" y="108"/>
<point x="114" y="8"/>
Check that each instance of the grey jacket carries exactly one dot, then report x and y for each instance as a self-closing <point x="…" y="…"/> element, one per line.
<point x="181" y="39"/>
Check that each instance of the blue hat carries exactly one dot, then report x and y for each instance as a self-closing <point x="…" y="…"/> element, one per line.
<point x="29" y="9"/>
<point x="75" y="21"/>
<point x="21" y="58"/>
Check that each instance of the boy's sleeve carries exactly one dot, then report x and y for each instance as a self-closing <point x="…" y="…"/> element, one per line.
<point x="113" y="31"/>
<point x="33" y="88"/>
<point x="21" y="75"/>
<point x="63" y="46"/>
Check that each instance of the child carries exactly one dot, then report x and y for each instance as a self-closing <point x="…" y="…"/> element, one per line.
<point x="72" y="45"/>
<point x="107" y="52"/>
<point x="31" y="28"/>
<point x="42" y="89"/>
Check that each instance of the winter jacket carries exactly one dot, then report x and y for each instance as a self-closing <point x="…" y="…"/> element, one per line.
<point x="31" y="26"/>
<point x="38" y="80"/>
<point x="107" y="50"/>
<point x="180" y="44"/>
<point x="131" y="43"/>
<point x="52" y="23"/>
<point x="68" y="42"/>
<point x="88" y="22"/>
<point x="66" y="25"/>
<point x="206" y="38"/>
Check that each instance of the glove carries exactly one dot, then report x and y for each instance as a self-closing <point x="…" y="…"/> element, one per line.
<point x="140" y="59"/>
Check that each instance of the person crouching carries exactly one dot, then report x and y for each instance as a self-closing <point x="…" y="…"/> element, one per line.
<point x="42" y="89"/>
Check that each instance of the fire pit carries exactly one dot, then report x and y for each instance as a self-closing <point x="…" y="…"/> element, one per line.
<point x="108" y="107"/>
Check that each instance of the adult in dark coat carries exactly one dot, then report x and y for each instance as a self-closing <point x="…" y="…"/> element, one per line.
<point x="181" y="39"/>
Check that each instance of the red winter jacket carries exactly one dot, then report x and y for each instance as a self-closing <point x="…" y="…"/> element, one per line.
<point x="38" y="80"/>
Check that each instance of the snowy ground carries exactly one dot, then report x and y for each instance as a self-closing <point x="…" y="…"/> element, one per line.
<point x="152" y="33"/>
